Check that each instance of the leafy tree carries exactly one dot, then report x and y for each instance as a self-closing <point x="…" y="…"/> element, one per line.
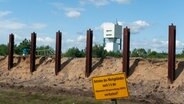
<point x="24" y="44"/>
<point x="134" y="53"/>
<point x="3" y="50"/>
<point x="45" y="50"/>
<point x="98" y="51"/>
<point x="182" y="51"/>
<point x="148" y="52"/>
<point x="43" y="47"/>
<point x="114" y="54"/>
<point x="152" y="54"/>
<point x="163" y="55"/>
<point x="74" y="52"/>
<point x="141" y="52"/>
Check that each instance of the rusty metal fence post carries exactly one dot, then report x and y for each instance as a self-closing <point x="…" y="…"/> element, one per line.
<point x="126" y="48"/>
<point x="33" y="52"/>
<point x="89" y="43"/>
<point x="58" y="52"/>
<point x="10" y="51"/>
<point x="171" y="53"/>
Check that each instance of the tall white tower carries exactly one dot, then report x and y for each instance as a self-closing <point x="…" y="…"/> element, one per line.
<point x="112" y="37"/>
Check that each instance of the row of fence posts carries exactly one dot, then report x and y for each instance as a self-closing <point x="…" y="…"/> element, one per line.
<point x="89" y="42"/>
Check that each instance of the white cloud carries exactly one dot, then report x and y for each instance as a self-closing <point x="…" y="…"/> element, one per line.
<point x="69" y="12"/>
<point x="78" y="40"/>
<point x="11" y="25"/>
<point x="4" y="13"/>
<point x="96" y="2"/>
<point x="156" y="45"/>
<point x="73" y="13"/>
<point x="159" y="44"/>
<point x="45" y="40"/>
<point x="103" y="2"/>
<point x="38" y="26"/>
<point x="81" y="38"/>
<point x="18" y="38"/>
<point x="58" y="5"/>
<point x="70" y="41"/>
<point x="137" y="26"/>
<point x="179" y="44"/>
<point x="105" y="24"/>
<point x="102" y="25"/>
<point x="40" y="40"/>
<point x="121" y="23"/>
<point x="121" y="1"/>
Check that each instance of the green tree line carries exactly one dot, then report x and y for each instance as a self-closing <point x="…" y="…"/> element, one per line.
<point x="97" y="51"/>
<point x="18" y="49"/>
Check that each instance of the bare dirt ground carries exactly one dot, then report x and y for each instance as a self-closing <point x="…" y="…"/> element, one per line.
<point x="147" y="83"/>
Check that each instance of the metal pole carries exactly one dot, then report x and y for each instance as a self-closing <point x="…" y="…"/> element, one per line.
<point x="10" y="51"/>
<point x="58" y="52"/>
<point x="120" y="45"/>
<point x="126" y="48"/>
<point x="114" y="101"/>
<point x="104" y="42"/>
<point x="171" y="53"/>
<point x="33" y="52"/>
<point x="89" y="43"/>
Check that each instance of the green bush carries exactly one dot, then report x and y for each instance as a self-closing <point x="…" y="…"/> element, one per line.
<point x="74" y="52"/>
<point x="114" y="54"/>
<point x="24" y="44"/>
<point x="98" y="51"/>
<point x="141" y="52"/>
<point x="45" y="50"/>
<point x="3" y="50"/>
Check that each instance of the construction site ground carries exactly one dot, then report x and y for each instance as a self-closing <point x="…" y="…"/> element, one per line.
<point x="147" y="83"/>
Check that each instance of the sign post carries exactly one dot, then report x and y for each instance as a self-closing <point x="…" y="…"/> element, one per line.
<point x="114" y="101"/>
<point x="110" y="87"/>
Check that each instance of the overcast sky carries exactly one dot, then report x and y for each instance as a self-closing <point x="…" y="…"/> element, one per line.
<point x="147" y="19"/>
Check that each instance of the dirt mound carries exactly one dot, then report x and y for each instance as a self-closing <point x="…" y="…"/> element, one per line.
<point x="148" y="80"/>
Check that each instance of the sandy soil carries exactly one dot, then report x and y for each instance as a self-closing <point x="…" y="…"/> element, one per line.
<point x="148" y="82"/>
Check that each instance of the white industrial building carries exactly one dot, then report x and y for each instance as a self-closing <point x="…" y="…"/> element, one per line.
<point x="112" y="37"/>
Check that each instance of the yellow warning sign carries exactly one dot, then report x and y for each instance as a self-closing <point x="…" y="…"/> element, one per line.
<point x="110" y="86"/>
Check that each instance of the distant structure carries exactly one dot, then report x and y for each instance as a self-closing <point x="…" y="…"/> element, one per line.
<point x="112" y="37"/>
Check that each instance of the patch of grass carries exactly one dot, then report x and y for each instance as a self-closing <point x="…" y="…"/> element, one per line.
<point x="17" y="97"/>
